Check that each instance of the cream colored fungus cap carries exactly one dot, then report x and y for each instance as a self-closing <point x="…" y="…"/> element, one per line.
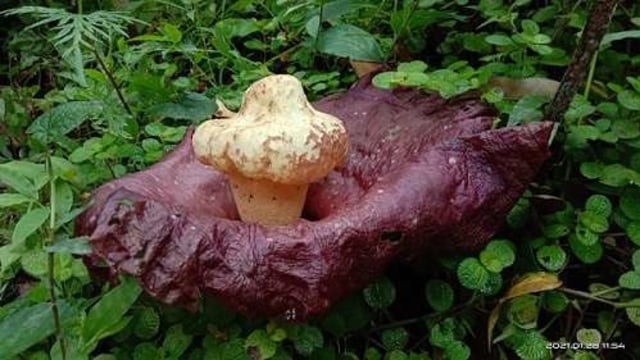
<point x="276" y="135"/>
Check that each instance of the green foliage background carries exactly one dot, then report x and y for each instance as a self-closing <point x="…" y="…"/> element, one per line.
<point x="91" y="91"/>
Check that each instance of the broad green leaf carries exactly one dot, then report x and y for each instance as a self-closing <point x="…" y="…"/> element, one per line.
<point x="349" y="41"/>
<point x="17" y="181"/>
<point x="531" y="345"/>
<point x="499" y="40"/>
<point x="620" y="35"/>
<point x="13" y="199"/>
<point x="191" y="106"/>
<point x="439" y="295"/>
<point x="109" y="310"/>
<point x="28" y="224"/>
<point x="554" y="231"/>
<point x="380" y="294"/>
<point x="527" y="109"/>
<point x="147" y="351"/>
<point x="635" y="260"/>
<point x="332" y="12"/>
<point x="78" y="246"/>
<point x="472" y="274"/>
<point x="591" y="170"/>
<point x="29" y="326"/>
<point x="64" y="198"/>
<point x="62" y="119"/>
<point x="629" y="99"/>
<point x="34" y="263"/>
<point x="617" y="175"/>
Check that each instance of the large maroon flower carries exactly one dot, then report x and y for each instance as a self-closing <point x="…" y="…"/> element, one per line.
<point x="424" y="175"/>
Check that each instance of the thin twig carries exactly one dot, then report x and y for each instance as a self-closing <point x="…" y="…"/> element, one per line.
<point x="113" y="82"/>
<point x="592" y="34"/>
<point x="51" y="260"/>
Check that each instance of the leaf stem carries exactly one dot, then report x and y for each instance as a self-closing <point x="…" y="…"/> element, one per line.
<point x="50" y="257"/>
<point x="590" y="296"/>
<point x="112" y="80"/>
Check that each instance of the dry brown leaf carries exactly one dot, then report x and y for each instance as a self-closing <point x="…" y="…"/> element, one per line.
<point x="518" y="88"/>
<point x="362" y="68"/>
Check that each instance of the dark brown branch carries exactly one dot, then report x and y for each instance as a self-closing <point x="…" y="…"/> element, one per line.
<point x="592" y="34"/>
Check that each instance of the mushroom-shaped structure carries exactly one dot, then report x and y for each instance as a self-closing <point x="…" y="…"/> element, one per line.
<point x="272" y="149"/>
<point x="423" y="175"/>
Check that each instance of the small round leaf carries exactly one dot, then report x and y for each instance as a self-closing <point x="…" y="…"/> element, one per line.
<point x="599" y="204"/>
<point x="472" y="274"/>
<point x="589" y="336"/>
<point x="630" y="280"/>
<point x="551" y="257"/>
<point x="439" y="295"/>
<point x="380" y="294"/>
<point x="395" y="339"/>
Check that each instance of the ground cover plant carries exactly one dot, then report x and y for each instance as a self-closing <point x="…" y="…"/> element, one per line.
<point x="91" y="91"/>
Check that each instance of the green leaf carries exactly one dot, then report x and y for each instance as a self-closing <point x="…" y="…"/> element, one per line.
<point x="176" y="342"/>
<point x="497" y="255"/>
<point x="457" y="350"/>
<point x="146" y="323"/>
<point x="551" y="257"/>
<point x="472" y="274"/>
<point x="594" y="222"/>
<point x="586" y="254"/>
<point x="28" y="224"/>
<point x="630" y="280"/>
<point x="395" y="339"/>
<point x="531" y="345"/>
<point x="439" y="295"/>
<point x="349" y="41"/>
<point x="633" y="313"/>
<point x="77" y="246"/>
<point x="260" y="340"/>
<point x="586" y="236"/>
<point x="600" y="205"/>
<point x="62" y="119"/>
<point x="620" y="35"/>
<point x="629" y="99"/>
<point x="523" y="311"/>
<point x="554" y="301"/>
<point x="519" y="214"/>
<point x="306" y="339"/>
<point x="555" y="231"/>
<point x="413" y="66"/>
<point x="13" y="199"/>
<point x="527" y="109"/>
<point x="190" y="106"/>
<point x="147" y="351"/>
<point x="633" y="232"/>
<point x="381" y="294"/>
<point x="17" y="181"/>
<point x="635" y="260"/>
<point x="630" y="203"/>
<point x="589" y="336"/>
<point x="36" y="321"/>
<point x="591" y="170"/>
<point x="617" y="175"/>
<point x="109" y="310"/>
<point x="499" y="40"/>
